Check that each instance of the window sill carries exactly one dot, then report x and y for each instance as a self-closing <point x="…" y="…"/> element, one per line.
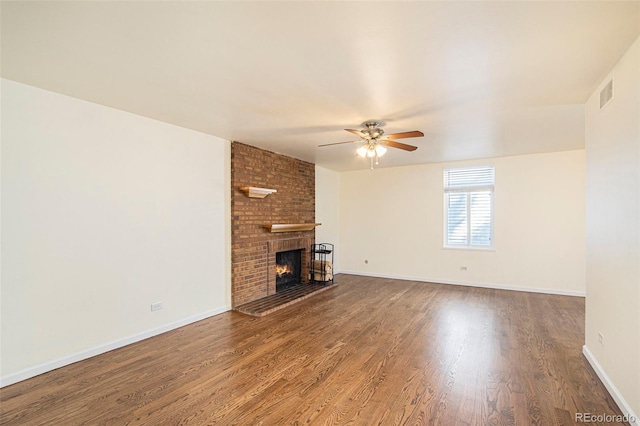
<point x="467" y="248"/>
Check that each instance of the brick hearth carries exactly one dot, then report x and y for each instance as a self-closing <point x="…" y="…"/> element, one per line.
<point x="253" y="249"/>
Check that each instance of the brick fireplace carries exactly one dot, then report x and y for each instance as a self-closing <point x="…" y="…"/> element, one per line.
<point x="254" y="248"/>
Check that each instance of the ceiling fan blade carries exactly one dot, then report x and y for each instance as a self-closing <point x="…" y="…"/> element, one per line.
<point x="398" y="145"/>
<point x="356" y="132"/>
<point x="337" y="143"/>
<point x="402" y="135"/>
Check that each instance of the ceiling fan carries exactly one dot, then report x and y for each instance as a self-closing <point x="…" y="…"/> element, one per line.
<point x="375" y="140"/>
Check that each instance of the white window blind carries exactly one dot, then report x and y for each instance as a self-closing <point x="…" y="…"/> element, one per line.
<point x="468" y="200"/>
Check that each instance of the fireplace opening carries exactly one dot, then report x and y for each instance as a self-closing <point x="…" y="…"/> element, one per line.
<point x="288" y="269"/>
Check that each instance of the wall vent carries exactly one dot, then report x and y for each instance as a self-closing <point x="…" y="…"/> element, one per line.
<point x="606" y="94"/>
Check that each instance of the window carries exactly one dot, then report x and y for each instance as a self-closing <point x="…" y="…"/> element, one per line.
<point x="468" y="205"/>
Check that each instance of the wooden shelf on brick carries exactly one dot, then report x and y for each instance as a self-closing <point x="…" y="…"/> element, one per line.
<point x="253" y="192"/>
<point x="290" y="227"/>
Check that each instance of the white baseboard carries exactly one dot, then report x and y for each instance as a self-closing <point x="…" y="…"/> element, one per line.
<point x="613" y="390"/>
<point x="472" y="284"/>
<point x="79" y="356"/>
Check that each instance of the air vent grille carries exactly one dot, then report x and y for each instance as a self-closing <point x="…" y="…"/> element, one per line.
<point x="606" y="94"/>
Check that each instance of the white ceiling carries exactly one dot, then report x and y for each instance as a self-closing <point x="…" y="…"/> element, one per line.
<point x="480" y="79"/>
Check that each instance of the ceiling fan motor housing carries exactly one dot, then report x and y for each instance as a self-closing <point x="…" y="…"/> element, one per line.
<point x="373" y="130"/>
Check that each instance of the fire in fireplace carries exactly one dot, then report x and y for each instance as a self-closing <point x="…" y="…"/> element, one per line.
<point x="288" y="269"/>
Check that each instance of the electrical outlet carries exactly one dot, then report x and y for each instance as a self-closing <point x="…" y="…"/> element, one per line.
<point x="156" y="306"/>
<point x="601" y="338"/>
<point x="463" y="268"/>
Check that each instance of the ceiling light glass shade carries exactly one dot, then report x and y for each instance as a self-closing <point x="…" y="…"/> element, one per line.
<point x="380" y="150"/>
<point x="362" y="151"/>
<point x="371" y="152"/>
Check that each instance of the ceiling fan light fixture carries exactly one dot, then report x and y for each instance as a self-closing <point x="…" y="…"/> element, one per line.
<point x="371" y="152"/>
<point x="380" y="150"/>
<point x="362" y="151"/>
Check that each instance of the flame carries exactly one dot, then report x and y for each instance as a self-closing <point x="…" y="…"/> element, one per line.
<point x="283" y="269"/>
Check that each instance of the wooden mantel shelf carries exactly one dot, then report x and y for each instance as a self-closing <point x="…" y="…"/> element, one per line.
<point x="253" y="192"/>
<point x="290" y="227"/>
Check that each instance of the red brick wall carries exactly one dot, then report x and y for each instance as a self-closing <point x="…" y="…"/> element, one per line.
<point x="253" y="247"/>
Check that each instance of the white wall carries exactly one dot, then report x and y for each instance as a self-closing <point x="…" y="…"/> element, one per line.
<point x="103" y="213"/>
<point x="613" y="232"/>
<point x="328" y="211"/>
<point x="393" y="218"/>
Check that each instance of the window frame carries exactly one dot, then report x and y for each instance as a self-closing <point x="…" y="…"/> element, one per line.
<point x="468" y="190"/>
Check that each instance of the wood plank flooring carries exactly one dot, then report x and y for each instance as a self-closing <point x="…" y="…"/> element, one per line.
<point x="371" y="351"/>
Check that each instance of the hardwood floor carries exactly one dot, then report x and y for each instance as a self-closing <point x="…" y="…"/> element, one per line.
<point x="371" y="351"/>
